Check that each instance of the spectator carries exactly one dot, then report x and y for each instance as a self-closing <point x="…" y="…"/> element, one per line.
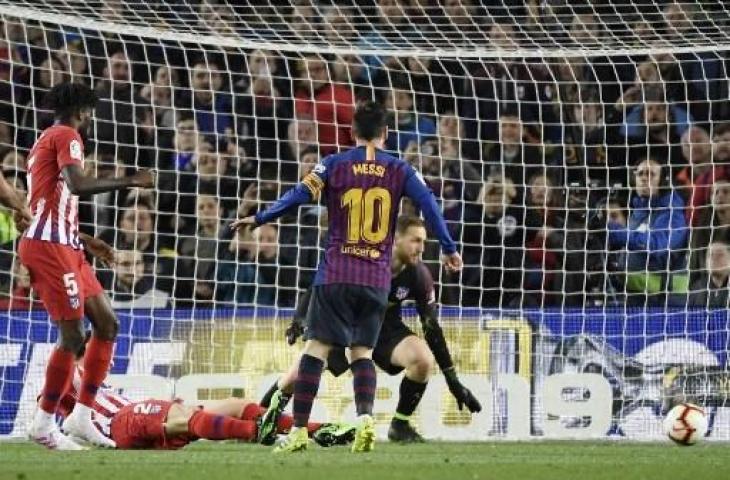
<point x="34" y="116"/>
<point x="511" y="157"/>
<point x="120" y="114"/>
<point x="541" y="252"/>
<point x="721" y="144"/>
<point x="199" y="253"/>
<point x="276" y="276"/>
<point x="713" y="224"/>
<point x="405" y="124"/>
<point x="136" y="232"/>
<point x="493" y="238"/>
<point x="211" y="107"/>
<point x="330" y="105"/>
<point x="132" y="287"/>
<point x="76" y="61"/>
<point x="653" y="238"/>
<point x="506" y="85"/>
<point x="711" y="289"/>
<point x="236" y="276"/>
<point x="262" y="120"/>
<point x="451" y="131"/>
<point x="654" y="128"/>
<point x="701" y="172"/>
<point x="160" y="93"/>
<point x="301" y="134"/>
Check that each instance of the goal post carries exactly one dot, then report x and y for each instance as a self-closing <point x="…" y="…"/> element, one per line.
<point x="580" y="153"/>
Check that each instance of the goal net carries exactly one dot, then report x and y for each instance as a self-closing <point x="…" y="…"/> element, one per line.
<point x="580" y="152"/>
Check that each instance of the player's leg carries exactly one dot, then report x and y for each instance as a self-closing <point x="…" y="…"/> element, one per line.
<point x="97" y="360"/>
<point x="412" y="354"/>
<point x="370" y="308"/>
<point x="213" y="424"/>
<point x="50" y="266"/>
<point x="328" y="324"/>
<point x="244" y="409"/>
<point x="59" y="373"/>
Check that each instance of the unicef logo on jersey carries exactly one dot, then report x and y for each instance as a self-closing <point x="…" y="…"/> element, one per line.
<point x="507" y="225"/>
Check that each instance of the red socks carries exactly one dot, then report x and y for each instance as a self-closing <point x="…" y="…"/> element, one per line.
<point x="59" y="373"/>
<point x="97" y="358"/>
<point x="219" y="427"/>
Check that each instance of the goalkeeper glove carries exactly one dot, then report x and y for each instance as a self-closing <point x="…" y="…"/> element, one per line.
<point x="294" y="331"/>
<point x="462" y="394"/>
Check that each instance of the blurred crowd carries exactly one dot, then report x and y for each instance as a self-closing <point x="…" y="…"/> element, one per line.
<point x="567" y="181"/>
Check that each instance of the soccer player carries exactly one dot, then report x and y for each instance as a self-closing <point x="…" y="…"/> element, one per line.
<point x="398" y="348"/>
<point x="363" y="187"/>
<point x="168" y="425"/>
<point x="52" y="249"/>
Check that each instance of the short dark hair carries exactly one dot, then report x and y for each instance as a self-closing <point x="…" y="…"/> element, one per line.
<point x="721" y="128"/>
<point x="68" y="99"/>
<point x="369" y="120"/>
<point x="407" y="221"/>
<point x="309" y="149"/>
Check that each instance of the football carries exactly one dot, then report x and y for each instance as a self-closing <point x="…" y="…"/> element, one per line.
<point x="686" y="424"/>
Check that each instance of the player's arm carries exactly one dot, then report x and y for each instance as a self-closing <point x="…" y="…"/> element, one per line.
<point x="426" y="306"/>
<point x="304" y="192"/>
<point x="10" y="198"/>
<point x="80" y="184"/>
<point x="416" y="190"/>
<point x="99" y="249"/>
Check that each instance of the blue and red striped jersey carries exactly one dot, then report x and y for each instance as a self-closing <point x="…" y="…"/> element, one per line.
<point x="362" y="198"/>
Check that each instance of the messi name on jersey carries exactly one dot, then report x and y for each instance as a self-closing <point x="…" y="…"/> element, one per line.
<point x="368" y="169"/>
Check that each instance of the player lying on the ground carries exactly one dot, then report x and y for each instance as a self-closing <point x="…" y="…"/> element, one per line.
<point x="397" y="348"/>
<point x="166" y="425"/>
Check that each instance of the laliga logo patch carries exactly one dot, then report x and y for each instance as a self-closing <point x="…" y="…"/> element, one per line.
<point x="319" y="168"/>
<point x="75" y="149"/>
<point x="74" y="302"/>
<point x="401" y="293"/>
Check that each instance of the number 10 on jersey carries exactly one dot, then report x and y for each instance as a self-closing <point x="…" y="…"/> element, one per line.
<point x="362" y="223"/>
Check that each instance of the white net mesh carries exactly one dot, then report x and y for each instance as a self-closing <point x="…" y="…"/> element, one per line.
<point x="580" y="153"/>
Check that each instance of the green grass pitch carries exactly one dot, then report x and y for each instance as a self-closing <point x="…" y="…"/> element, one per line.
<point x="442" y="461"/>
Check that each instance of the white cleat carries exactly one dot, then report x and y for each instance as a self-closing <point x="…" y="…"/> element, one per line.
<point x="79" y="425"/>
<point x="52" y="438"/>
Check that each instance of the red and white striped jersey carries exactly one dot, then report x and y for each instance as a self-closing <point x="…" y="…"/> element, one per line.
<point x="108" y="402"/>
<point x="55" y="210"/>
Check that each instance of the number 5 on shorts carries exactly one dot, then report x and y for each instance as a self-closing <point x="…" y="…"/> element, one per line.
<point x="72" y="288"/>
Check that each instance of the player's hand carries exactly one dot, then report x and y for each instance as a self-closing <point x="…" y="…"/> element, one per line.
<point x="462" y="394"/>
<point x="241" y="222"/>
<point x="293" y="332"/>
<point x="144" y="179"/>
<point x="101" y="250"/>
<point x="22" y="219"/>
<point x="453" y="262"/>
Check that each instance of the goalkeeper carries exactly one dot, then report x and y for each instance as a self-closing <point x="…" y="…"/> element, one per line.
<point x="398" y="348"/>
